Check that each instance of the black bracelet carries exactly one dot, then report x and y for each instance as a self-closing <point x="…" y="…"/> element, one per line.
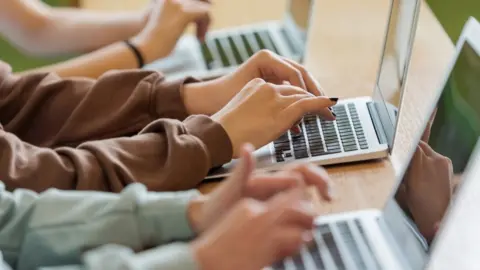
<point x="137" y="53"/>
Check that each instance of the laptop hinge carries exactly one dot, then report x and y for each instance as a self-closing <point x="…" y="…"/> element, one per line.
<point x="377" y="124"/>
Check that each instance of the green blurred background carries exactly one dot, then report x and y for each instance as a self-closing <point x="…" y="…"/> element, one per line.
<point x="452" y="14"/>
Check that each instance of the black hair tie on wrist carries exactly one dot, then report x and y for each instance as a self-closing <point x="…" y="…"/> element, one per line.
<point x="136" y="52"/>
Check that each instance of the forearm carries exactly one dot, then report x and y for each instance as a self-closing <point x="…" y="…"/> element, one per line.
<point x="135" y="219"/>
<point x="116" y="56"/>
<point x="75" y="30"/>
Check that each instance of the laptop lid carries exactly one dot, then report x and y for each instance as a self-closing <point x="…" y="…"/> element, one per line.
<point x="394" y="63"/>
<point x="296" y="23"/>
<point x="456" y="246"/>
<point x="454" y="125"/>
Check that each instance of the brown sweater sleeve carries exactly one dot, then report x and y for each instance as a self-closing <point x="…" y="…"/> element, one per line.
<point x="70" y="134"/>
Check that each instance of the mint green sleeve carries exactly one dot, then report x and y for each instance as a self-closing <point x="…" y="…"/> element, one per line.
<point x="176" y="256"/>
<point x="57" y="228"/>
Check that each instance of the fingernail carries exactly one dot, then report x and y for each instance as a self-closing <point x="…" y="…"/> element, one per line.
<point x="334" y="99"/>
<point x="334" y="114"/>
<point x="330" y="108"/>
<point x="307" y="236"/>
<point x="296" y="129"/>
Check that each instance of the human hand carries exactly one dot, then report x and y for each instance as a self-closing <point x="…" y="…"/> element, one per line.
<point x="262" y="111"/>
<point x="243" y="184"/>
<point x="166" y="23"/>
<point x="210" y="96"/>
<point x="255" y="234"/>
<point x="427" y="189"/>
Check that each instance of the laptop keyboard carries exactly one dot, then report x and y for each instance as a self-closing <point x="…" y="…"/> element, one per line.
<point x="235" y="48"/>
<point x="341" y="245"/>
<point x="319" y="137"/>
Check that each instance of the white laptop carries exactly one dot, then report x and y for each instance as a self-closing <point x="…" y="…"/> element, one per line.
<point x="374" y="239"/>
<point x="365" y="126"/>
<point x="225" y="49"/>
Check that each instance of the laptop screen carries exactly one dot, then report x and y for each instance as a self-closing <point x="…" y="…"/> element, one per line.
<point x="296" y="24"/>
<point x="442" y="154"/>
<point x="394" y="63"/>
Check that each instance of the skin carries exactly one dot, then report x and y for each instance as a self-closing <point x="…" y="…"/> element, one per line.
<point x="262" y="217"/>
<point x="41" y="30"/>
<point x="251" y="95"/>
<point x="428" y="185"/>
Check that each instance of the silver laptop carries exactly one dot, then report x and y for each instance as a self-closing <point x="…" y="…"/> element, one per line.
<point x="225" y="49"/>
<point x="365" y="126"/>
<point x="387" y="239"/>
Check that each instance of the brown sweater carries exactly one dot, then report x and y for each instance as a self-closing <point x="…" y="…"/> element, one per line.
<point x="127" y="126"/>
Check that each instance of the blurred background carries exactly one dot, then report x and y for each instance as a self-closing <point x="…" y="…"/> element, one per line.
<point x="452" y="14"/>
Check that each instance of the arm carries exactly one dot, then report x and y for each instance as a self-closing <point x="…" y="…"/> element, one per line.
<point x="36" y="226"/>
<point x="77" y="134"/>
<point x="41" y="30"/>
<point x="166" y="23"/>
<point x="94" y="64"/>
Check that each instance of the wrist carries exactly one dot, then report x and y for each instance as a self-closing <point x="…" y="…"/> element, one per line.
<point x="144" y="46"/>
<point x="199" y="98"/>
<point x="229" y="127"/>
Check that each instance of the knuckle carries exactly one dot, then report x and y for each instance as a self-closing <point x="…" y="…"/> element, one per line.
<point x="248" y="207"/>
<point x="264" y="53"/>
<point x="269" y="88"/>
<point x="257" y="81"/>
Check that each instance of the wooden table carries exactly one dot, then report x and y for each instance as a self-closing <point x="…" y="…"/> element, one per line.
<point x="344" y="53"/>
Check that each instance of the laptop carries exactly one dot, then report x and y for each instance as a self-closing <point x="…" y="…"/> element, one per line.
<point x="456" y="246"/>
<point x="225" y="49"/>
<point x="387" y="239"/>
<point x="365" y="126"/>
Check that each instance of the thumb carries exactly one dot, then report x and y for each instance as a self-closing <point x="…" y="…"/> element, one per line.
<point x="196" y="9"/>
<point x="245" y="166"/>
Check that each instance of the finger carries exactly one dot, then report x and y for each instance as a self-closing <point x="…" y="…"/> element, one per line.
<point x="263" y="187"/>
<point x="312" y="85"/>
<point x="288" y="241"/>
<point x="203" y="24"/>
<point x="306" y="105"/>
<point x="243" y="171"/>
<point x="426" y="133"/>
<point x="202" y="27"/>
<point x="291" y="207"/>
<point x="196" y="9"/>
<point x="427" y="150"/>
<point x="291" y="90"/>
<point x="254" y="83"/>
<point x="414" y="166"/>
<point x="317" y="177"/>
<point x="327" y="114"/>
<point x="233" y="187"/>
<point x="283" y="71"/>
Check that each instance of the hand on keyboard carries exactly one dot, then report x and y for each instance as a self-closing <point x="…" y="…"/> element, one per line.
<point x="262" y="111"/>
<point x="211" y="96"/>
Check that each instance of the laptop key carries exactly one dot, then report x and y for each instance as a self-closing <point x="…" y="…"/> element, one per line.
<point x="235" y="51"/>
<point x="259" y="40"/>
<point x="247" y="45"/>
<point x="331" y="244"/>
<point x="298" y="262"/>
<point x="207" y="56"/>
<point x="223" y="55"/>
